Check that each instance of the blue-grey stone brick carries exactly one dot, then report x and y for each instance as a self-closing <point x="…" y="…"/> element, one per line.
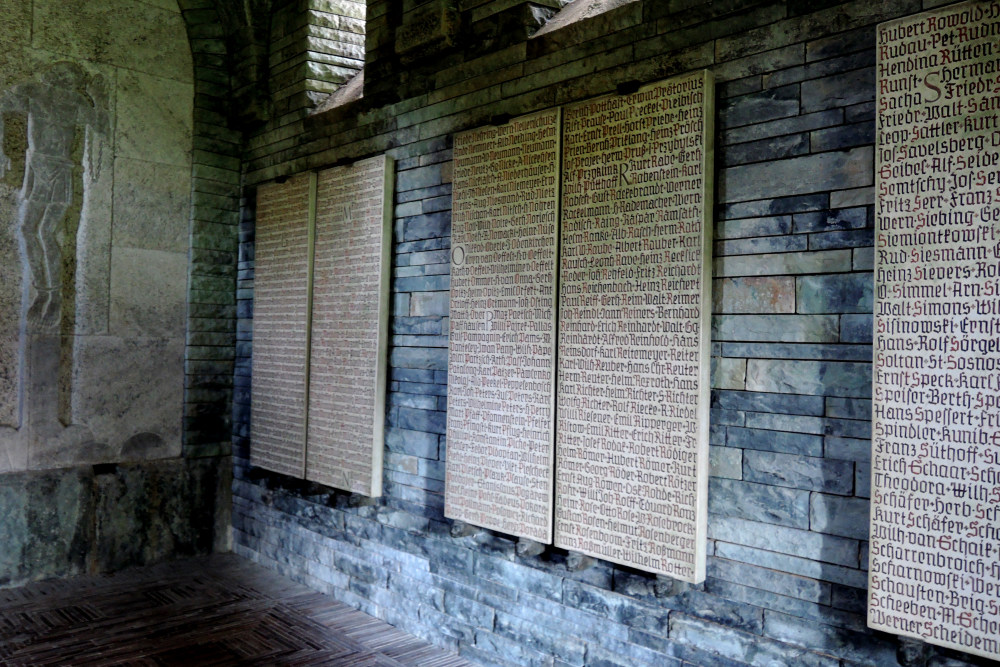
<point x="741" y="646"/>
<point x="860" y="112"/>
<point x="835" y="515"/>
<point x="413" y="401"/>
<point x="790" y="423"/>
<point x="434" y="204"/>
<point x="759" y="502"/>
<point x="837" y="293"/>
<point x="751" y="227"/>
<point x="772" y="148"/>
<point x="821" y="172"/>
<point x="410" y="589"/>
<point x="774" y="441"/>
<point x="800" y="472"/>
<point x="626" y="657"/>
<point x="427" y="226"/>
<point x="839" y="90"/>
<point x="728" y="417"/>
<point x="447" y="624"/>
<point x="528" y="634"/>
<point x="758" y="107"/>
<point x="848" y="428"/>
<point x="419" y="357"/>
<point x="430" y="421"/>
<point x="856" y="328"/>
<point x="805" y="567"/>
<point x="423" y="245"/>
<point x="865" y="648"/>
<point x="469" y="612"/>
<point x="863" y="481"/>
<point x="827" y="352"/>
<point x="518" y="576"/>
<point x="423" y="193"/>
<point x="834" y="220"/>
<point x="422" y="284"/>
<point x="420" y="178"/>
<point x="774" y="206"/>
<point x="845" y="136"/>
<point x="415" y="443"/>
<point x="762" y="402"/>
<point x="853" y="238"/>
<point x="848" y="449"/>
<point x="776" y="328"/>
<point x="491" y="644"/>
<point x="782" y="583"/>
<point x="824" y="378"/>
<point x="805" y="544"/>
<point x="422" y="388"/>
<point x="763" y="244"/>
<point x="776" y="128"/>
<point x="412" y="374"/>
<point x="852" y="598"/>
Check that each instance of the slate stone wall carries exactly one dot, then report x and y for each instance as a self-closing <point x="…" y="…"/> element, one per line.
<point x="792" y="330"/>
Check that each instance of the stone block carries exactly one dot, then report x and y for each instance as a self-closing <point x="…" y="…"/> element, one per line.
<point x="864" y="259"/>
<point x="790" y="263"/>
<point x="849" y="408"/>
<point x="725" y="462"/>
<point x="760" y="245"/>
<point x="518" y="576"/>
<point x="829" y="352"/>
<point x="776" y="128"/>
<point x="844" y="136"/>
<point x="757" y="295"/>
<point x="794" y="565"/>
<point x="848" y="449"/>
<point x="759" y="502"/>
<point x="853" y="238"/>
<point x="771" y="225"/>
<point x="774" y="441"/>
<point x="839" y="90"/>
<point x="763" y="402"/>
<point x="765" y="579"/>
<point x="800" y="472"/>
<point x="801" y="175"/>
<point x="823" y="378"/>
<point x="728" y="373"/>
<point x="413" y="443"/>
<point x="836" y="515"/>
<point x="856" y="328"/>
<point x="790" y="423"/>
<point x="831" y="220"/>
<point x="741" y="646"/>
<point x="859" y="647"/>
<point x="780" y="328"/>
<point x="839" y="293"/>
<point x="782" y="539"/>
<point x="419" y="357"/>
<point x="759" y="107"/>
<point x="780" y="206"/>
<point x="529" y="634"/>
<point x="773" y="148"/>
<point x="424" y="226"/>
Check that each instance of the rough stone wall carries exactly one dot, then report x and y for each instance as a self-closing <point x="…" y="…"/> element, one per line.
<point x="121" y="456"/>
<point x="792" y="329"/>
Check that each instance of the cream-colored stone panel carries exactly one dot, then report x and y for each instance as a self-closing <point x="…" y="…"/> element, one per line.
<point x="634" y="327"/>
<point x="350" y="315"/>
<point x="935" y="516"/>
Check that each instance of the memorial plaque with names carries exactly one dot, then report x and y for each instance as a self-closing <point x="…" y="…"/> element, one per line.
<point x="281" y="325"/>
<point x="501" y="358"/>
<point x="350" y="326"/>
<point x="634" y="327"/>
<point x="934" y="568"/>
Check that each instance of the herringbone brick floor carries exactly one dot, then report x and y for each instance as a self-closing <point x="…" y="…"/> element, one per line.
<point x="215" y="611"/>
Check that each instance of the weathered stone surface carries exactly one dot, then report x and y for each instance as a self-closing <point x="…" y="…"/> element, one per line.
<point x="151" y="190"/>
<point x="140" y="31"/>
<point x="829" y="261"/>
<point x="770" y="294"/>
<point x="856" y="329"/>
<point x="826" y="378"/>
<point x="728" y="373"/>
<point x="153" y="119"/>
<point x="759" y="502"/>
<point x="837" y="515"/>
<point x="148" y="293"/>
<point x="726" y="462"/>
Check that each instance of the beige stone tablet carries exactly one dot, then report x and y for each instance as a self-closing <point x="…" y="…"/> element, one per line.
<point x="281" y="324"/>
<point x="350" y="315"/>
<point x="634" y="328"/>
<point x="935" y="516"/>
<point x="501" y="365"/>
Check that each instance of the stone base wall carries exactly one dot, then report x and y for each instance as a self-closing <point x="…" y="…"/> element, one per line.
<point x="792" y="331"/>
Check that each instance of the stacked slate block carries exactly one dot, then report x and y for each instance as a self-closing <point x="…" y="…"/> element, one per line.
<point x="792" y="331"/>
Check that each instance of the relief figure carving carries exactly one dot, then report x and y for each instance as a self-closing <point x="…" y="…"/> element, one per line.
<point x="60" y="101"/>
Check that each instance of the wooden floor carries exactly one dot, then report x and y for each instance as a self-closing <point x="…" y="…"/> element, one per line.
<point x="221" y="610"/>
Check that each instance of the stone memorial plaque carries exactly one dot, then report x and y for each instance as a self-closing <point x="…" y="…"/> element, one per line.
<point x="634" y="327"/>
<point x="935" y="515"/>
<point x="281" y="324"/>
<point x="501" y="362"/>
<point x="350" y="309"/>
